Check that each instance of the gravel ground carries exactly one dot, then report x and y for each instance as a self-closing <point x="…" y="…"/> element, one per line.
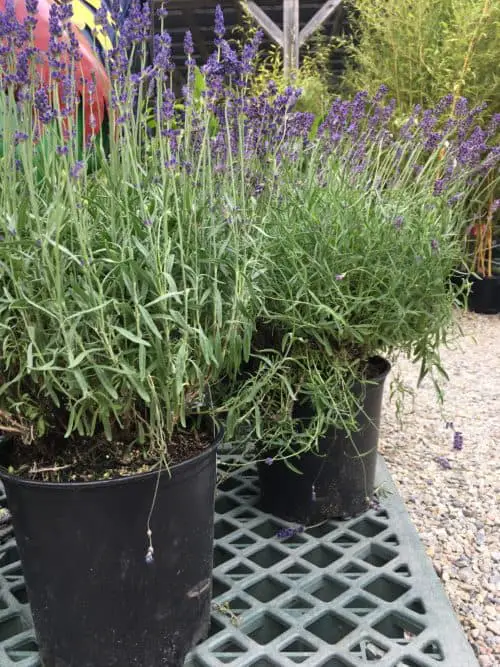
<point x="451" y="493"/>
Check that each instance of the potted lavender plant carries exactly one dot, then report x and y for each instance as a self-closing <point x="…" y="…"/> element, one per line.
<point x="124" y="299"/>
<point x="363" y="229"/>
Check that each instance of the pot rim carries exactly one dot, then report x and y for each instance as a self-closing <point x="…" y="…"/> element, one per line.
<point x="383" y="373"/>
<point x="177" y="469"/>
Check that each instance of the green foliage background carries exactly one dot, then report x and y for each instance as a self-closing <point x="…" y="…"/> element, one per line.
<point x="426" y="49"/>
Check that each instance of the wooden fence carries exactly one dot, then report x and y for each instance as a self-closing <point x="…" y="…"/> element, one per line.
<point x="289" y="23"/>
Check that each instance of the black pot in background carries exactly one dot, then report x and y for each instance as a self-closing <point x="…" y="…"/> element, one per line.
<point x="95" y="601"/>
<point x="339" y="481"/>
<point x="484" y="296"/>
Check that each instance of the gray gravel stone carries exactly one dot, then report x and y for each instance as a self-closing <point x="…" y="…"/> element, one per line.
<point x="456" y="510"/>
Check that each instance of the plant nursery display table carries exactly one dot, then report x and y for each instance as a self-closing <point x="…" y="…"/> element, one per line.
<point x="338" y="594"/>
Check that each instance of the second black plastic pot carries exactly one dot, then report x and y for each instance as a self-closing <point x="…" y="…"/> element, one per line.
<point x="484" y="296"/>
<point x="96" y="601"/>
<point x="337" y="481"/>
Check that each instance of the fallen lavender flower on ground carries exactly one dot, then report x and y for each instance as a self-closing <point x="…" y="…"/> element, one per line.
<point x="443" y="462"/>
<point x="286" y="533"/>
<point x="458" y="440"/>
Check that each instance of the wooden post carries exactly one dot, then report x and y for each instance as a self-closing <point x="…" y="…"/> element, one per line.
<point x="291" y="37"/>
<point x="291" y="29"/>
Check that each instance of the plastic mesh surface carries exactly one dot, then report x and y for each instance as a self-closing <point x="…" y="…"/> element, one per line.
<point x="339" y="594"/>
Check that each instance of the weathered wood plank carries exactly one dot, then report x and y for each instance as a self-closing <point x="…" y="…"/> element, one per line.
<point x="318" y="19"/>
<point x="268" y="25"/>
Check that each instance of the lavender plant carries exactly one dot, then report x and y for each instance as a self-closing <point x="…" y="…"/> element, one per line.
<point x="362" y="233"/>
<point x="126" y="274"/>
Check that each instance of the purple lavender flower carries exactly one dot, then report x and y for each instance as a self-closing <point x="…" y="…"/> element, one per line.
<point x="458" y="440"/>
<point x="398" y="221"/>
<point x="229" y="59"/>
<point x="471" y="150"/>
<point x="189" y="48"/>
<point x="381" y="92"/>
<point x="444" y="104"/>
<point x="42" y="105"/>
<point x="461" y="106"/>
<point x="250" y="51"/>
<point x="19" y="137"/>
<point x="495" y="205"/>
<point x="435" y="245"/>
<point x="76" y="169"/>
<point x="137" y="26"/>
<point x="167" y="107"/>
<point x="443" y="462"/>
<point x="163" y="52"/>
<point x="269" y="461"/>
<point x="219" y="28"/>
<point x="286" y="533"/>
<point x="438" y="187"/>
<point x="147" y="222"/>
<point x="162" y="11"/>
<point x="433" y="140"/>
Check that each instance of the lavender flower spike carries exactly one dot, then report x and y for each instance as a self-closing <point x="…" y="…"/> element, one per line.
<point x="219" y="28"/>
<point x="188" y="43"/>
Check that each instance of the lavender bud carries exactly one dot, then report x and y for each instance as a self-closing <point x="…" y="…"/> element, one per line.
<point x="19" y="137"/>
<point x="76" y="169"/>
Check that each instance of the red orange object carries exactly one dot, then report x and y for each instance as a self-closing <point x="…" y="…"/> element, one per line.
<point x="89" y="68"/>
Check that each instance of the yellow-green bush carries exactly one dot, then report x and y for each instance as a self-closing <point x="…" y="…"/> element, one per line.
<point x="425" y="49"/>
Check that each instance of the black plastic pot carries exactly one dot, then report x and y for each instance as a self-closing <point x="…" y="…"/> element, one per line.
<point x="95" y="600"/>
<point x="338" y="480"/>
<point x="484" y="296"/>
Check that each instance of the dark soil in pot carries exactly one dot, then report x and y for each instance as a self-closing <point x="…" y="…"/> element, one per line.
<point x="97" y="600"/>
<point x="337" y="481"/>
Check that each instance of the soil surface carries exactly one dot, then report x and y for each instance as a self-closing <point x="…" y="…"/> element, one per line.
<point x="91" y="459"/>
